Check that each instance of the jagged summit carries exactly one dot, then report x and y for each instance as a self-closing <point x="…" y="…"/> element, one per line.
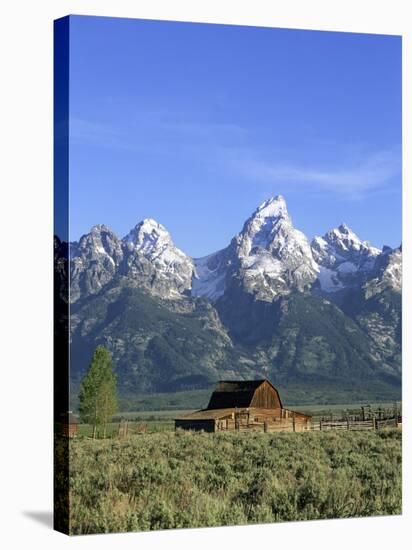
<point x="269" y="220"/>
<point x="272" y="207"/>
<point x="270" y="212"/>
<point x="343" y="258"/>
<point x="101" y="241"/>
<point x="147" y="226"/>
<point x="101" y="228"/>
<point x="94" y="261"/>
<point x="149" y="235"/>
<point x="268" y="305"/>
<point x="165" y="269"/>
<point x="268" y="258"/>
<point x="345" y="240"/>
<point x="152" y="240"/>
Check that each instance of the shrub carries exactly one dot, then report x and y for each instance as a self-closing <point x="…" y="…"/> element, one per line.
<point x="167" y="480"/>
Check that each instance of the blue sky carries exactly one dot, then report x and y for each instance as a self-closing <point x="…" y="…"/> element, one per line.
<point x="195" y="125"/>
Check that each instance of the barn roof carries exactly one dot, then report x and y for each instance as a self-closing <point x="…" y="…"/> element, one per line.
<point x="234" y="393"/>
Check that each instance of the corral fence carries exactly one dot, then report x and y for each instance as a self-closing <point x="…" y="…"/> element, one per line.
<point x="371" y="424"/>
<point x="366" y="417"/>
<point x="363" y="417"/>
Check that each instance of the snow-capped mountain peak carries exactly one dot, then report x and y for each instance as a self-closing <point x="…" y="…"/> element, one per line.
<point x="100" y="228"/>
<point x="93" y="261"/>
<point x="101" y="241"/>
<point x="262" y="255"/>
<point x="152" y="240"/>
<point x="343" y="258"/>
<point x="148" y="236"/>
<point x="154" y="257"/>
<point x="272" y="207"/>
<point x="268" y="258"/>
<point x="387" y="273"/>
<point x="269" y="220"/>
<point x="344" y="239"/>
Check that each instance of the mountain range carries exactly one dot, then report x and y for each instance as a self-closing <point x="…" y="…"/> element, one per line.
<point x="320" y="316"/>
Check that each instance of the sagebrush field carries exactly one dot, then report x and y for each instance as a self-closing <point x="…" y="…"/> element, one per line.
<point x="168" y="480"/>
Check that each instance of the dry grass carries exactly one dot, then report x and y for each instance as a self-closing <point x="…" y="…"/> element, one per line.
<point x="167" y="480"/>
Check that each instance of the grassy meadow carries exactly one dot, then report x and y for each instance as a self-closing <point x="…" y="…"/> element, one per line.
<point x="184" y="479"/>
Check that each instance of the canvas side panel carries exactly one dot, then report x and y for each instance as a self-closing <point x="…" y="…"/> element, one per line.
<point x="61" y="267"/>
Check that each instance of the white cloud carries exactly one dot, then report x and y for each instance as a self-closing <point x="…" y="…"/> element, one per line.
<point x="355" y="180"/>
<point x="155" y="131"/>
<point x="223" y="145"/>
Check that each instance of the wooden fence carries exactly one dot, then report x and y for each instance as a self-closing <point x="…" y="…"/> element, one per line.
<point x="292" y="424"/>
<point x="371" y="424"/>
<point x="349" y="424"/>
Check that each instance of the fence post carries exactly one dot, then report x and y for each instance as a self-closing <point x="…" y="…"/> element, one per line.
<point x="320" y="424"/>
<point x="347" y="422"/>
<point x="294" y="421"/>
<point x="265" y="426"/>
<point x="375" y="424"/>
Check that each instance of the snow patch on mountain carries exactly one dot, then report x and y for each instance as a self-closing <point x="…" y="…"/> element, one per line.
<point x="150" y="239"/>
<point x="155" y="260"/>
<point x="209" y="277"/>
<point x="263" y="263"/>
<point x="347" y="267"/>
<point x="328" y="280"/>
<point x="345" y="255"/>
<point x="268" y="258"/>
<point x="387" y="273"/>
<point x="274" y="256"/>
<point x="153" y="241"/>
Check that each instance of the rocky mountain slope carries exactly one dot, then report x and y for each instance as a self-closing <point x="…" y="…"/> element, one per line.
<point x="268" y="258"/>
<point x="343" y="259"/>
<point x="325" y="313"/>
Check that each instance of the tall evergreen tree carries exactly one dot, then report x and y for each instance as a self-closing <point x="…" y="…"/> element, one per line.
<point x="98" y="392"/>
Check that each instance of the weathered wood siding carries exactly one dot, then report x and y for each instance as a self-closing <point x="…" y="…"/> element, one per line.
<point x="244" y="405"/>
<point x="266" y="397"/>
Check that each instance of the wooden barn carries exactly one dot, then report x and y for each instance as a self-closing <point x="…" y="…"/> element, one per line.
<point x="244" y="405"/>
